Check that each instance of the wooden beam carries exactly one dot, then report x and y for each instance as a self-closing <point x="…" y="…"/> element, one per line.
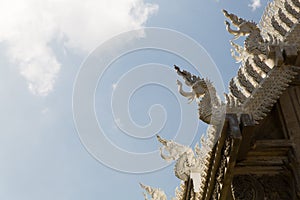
<point x="247" y="126"/>
<point x="264" y="161"/>
<point x="265" y="144"/>
<point x="259" y="170"/>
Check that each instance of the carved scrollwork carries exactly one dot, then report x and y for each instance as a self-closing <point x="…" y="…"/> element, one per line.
<point x="255" y="187"/>
<point x="246" y="187"/>
<point x="227" y="147"/>
<point x="285" y="19"/>
<point x="154" y="193"/>
<point x="236" y="91"/>
<point x="278" y="27"/>
<point x="296" y="3"/>
<point x="291" y="10"/>
<point x="259" y="63"/>
<point x="245" y="82"/>
<point x="254" y="74"/>
<point x="222" y="168"/>
<point x="276" y="187"/>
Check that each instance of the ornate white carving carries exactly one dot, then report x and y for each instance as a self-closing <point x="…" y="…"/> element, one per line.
<point x="260" y="81"/>
<point x="186" y="160"/>
<point x="262" y="76"/>
<point x="172" y="150"/>
<point x="238" y="52"/>
<point x="190" y="95"/>
<point x="155" y="193"/>
<point x="210" y="105"/>
<point x="179" y="192"/>
<point x="182" y="154"/>
<point x="254" y="42"/>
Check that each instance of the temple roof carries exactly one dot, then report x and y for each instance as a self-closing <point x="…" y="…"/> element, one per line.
<point x="270" y="64"/>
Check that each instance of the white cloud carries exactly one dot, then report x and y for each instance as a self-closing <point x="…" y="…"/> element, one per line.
<point x="29" y="26"/>
<point x="255" y="4"/>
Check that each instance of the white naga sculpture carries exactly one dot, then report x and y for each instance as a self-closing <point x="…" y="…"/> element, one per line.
<point x="205" y="94"/>
<point x="266" y="69"/>
<point x="238" y="52"/>
<point x="254" y="43"/>
<point x="186" y="160"/>
<point x="182" y="154"/>
<point x="262" y="60"/>
<point x="155" y="193"/>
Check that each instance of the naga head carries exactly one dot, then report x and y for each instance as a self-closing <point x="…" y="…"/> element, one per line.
<point x="233" y="18"/>
<point x="243" y="26"/>
<point x="162" y="140"/>
<point x="189" y="78"/>
<point x="171" y="150"/>
<point x="203" y="91"/>
<point x="198" y="85"/>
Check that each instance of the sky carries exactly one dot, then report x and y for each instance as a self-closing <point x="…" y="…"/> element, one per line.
<point x="47" y="46"/>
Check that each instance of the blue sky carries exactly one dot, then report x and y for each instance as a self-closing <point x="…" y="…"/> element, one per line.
<point x="42" y="46"/>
